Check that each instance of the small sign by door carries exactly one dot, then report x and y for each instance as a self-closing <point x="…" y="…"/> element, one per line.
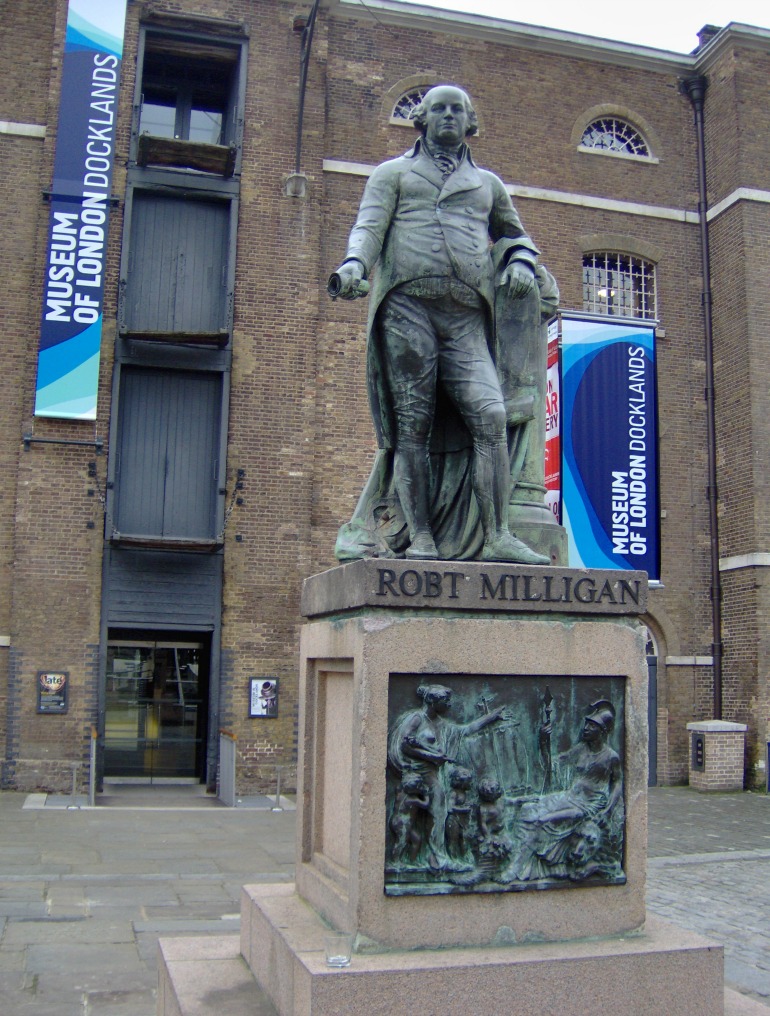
<point x="52" y="692"/>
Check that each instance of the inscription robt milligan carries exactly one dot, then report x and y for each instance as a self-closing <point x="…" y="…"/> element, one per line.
<point x="480" y="587"/>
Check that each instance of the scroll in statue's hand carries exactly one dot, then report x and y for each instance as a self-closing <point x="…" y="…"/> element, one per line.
<point x="348" y="281"/>
<point x="519" y="278"/>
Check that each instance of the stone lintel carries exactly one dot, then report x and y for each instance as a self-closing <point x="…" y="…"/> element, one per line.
<point x="473" y="586"/>
<point x="717" y="727"/>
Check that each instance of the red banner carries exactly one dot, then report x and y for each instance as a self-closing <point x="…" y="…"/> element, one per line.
<point x="552" y="425"/>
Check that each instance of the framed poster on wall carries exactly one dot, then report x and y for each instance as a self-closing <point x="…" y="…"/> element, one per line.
<point x="263" y="696"/>
<point x="52" y="688"/>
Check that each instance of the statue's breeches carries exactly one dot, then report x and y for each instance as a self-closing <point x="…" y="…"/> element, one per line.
<point x="424" y="341"/>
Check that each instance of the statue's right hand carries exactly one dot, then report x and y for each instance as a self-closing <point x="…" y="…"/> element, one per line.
<point x="350" y="276"/>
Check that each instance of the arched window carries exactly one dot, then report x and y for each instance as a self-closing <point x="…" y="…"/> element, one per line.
<point x="611" y="134"/>
<point x="405" y="105"/>
<point x="620" y="284"/>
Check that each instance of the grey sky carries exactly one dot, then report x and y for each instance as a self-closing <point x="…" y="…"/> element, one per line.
<point x="664" y="24"/>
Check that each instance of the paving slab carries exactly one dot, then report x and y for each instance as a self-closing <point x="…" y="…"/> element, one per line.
<point x="20" y="934"/>
<point x="12" y="962"/>
<point x="23" y="911"/>
<point x="27" y="891"/>
<point x="86" y="964"/>
<point x="119" y="1003"/>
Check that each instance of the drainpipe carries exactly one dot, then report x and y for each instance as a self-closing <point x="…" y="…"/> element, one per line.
<point x="304" y="62"/>
<point x="695" y="90"/>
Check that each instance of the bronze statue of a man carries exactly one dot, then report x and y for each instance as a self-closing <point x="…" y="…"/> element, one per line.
<point x="444" y="235"/>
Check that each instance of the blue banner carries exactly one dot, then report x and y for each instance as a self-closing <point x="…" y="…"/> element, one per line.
<point x="610" y="444"/>
<point x="73" y="293"/>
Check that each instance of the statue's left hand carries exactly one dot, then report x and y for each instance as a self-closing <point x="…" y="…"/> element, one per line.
<point x="519" y="278"/>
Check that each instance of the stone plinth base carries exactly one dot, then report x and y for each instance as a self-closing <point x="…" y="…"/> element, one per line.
<point x="658" y="971"/>
<point x="717" y="750"/>
<point x="485" y="622"/>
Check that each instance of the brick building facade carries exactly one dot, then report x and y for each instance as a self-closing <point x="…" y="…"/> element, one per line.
<point x="162" y="605"/>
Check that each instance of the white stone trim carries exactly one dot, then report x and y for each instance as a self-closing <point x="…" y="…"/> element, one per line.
<point x="24" y="130"/>
<point x="717" y="727"/>
<point x="350" y="168"/>
<point x="606" y="204"/>
<point x="5" y="640"/>
<point x="737" y="561"/>
<point x="650" y="160"/>
<point x="739" y="194"/>
<point x="542" y="194"/>
<point x="689" y="661"/>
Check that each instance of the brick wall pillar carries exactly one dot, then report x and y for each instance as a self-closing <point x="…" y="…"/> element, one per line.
<point x="717" y="750"/>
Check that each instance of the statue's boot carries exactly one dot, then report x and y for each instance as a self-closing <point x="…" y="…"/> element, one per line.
<point x="422" y="548"/>
<point x="411" y="472"/>
<point x="506" y="547"/>
<point x="491" y="485"/>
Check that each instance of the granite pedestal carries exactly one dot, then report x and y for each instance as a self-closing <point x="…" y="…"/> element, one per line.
<point x="562" y="949"/>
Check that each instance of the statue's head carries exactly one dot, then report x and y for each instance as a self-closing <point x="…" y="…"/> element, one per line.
<point x="436" y="695"/>
<point x="412" y="782"/>
<point x="585" y="842"/>
<point x="444" y="94"/>
<point x="600" y="719"/>
<point x="460" y="778"/>
<point x="602" y="713"/>
<point x="489" y="790"/>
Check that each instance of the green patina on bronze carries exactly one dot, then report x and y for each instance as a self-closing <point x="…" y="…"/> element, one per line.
<point x="450" y="270"/>
<point x="504" y="783"/>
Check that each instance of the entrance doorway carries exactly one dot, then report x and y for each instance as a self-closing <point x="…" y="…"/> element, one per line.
<point x="156" y="710"/>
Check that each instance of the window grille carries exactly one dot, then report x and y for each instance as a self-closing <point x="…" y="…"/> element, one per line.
<point x="403" y="111"/>
<point x="611" y="134"/>
<point x="619" y="284"/>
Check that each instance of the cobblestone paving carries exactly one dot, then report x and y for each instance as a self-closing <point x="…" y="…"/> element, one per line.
<point x="709" y="871"/>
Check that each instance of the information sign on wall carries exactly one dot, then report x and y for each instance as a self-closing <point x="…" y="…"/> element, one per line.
<point x="610" y="444"/>
<point x="73" y="290"/>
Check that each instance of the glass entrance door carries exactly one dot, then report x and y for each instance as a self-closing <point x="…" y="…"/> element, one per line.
<point x="155" y="710"/>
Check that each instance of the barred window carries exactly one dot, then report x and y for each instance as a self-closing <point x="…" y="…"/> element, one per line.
<point x="403" y="110"/>
<point x="618" y="284"/>
<point x="611" y="134"/>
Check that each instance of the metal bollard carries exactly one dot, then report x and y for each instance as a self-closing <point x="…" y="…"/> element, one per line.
<point x="277" y="805"/>
<point x="92" y="768"/>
